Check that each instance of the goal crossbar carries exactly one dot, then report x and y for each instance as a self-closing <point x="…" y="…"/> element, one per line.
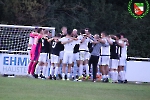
<point x="31" y="27"/>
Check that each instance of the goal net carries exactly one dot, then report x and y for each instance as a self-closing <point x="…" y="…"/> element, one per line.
<point x="15" y="38"/>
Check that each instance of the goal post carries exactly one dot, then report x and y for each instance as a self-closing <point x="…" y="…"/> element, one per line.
<point x="14" y="38"/>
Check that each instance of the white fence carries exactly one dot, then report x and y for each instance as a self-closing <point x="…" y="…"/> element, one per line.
<point x="18" y="65"/>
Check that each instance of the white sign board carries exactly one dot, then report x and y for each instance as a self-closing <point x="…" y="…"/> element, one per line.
<point x="14" y="64"/>
<point x="138" y="71"/>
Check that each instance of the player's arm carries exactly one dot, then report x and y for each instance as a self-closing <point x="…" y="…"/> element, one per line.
<point x="125" y="40"/>
<point x="120" y="43"/>
<point x="33" y="34"/>
<point x="127" y="43"/>
<point x="49" y="40"/>
<point x="109" y="40"/>
<point x="102" y="41"/>
<point x="67" y="41"/>
<point x="95" y="42"/>
<point x="30" y="41"/>
<point x="73" y="38"/>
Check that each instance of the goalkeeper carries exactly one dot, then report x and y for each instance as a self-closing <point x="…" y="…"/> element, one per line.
<point x="34" y="53"/>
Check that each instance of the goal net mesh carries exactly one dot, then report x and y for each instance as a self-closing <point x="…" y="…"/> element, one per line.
<point x="16" y="38"/>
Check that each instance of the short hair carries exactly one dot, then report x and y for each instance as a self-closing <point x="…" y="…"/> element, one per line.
<point x="69" y="32"/>
<point x="46" y="31"/>
<point x="63" y="27"/>
<point x="58" y="35"/>
<point x="74" y="29"/>
<point x="122" y="34"/>
<point x="104" y="32"/>
<point x="39" y="30"/>
<point x="118" y="35"/>
<point x="87" y="29"/>
<point x="82" y="31"/>
<point x="97" y="36"/>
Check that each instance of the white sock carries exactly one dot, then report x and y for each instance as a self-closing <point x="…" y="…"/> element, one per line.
<point x="56" y="71"/>
<point x="123" y="75"/>
<point x="112" y="75"/>
<point x="44" y="70"/>
<point x="51" y="70"/>
<point x="107" y="76"/>
<point x="59" y="70"/>
<point x="120" y="76"/>
<point x="116" y="75"/>
<point x="63" y="75"/>
<point x="77" y="70"/>
<point x="72" y="71"/>
<point x="66" y="70"/>
<point x="80" y="70"/>
<point x="87" y="69"/>
<point x="47" y="71"/>
<point x="37" y="69"/>
<point x="68" y="76"/>
<point x="103" y="76"/>
<point x="84" y="69"/>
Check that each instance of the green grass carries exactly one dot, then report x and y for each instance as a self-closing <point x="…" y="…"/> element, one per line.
<point x="36" y="89"/>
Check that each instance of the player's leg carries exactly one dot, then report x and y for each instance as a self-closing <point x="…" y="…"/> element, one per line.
<point x="65" y="60"/>
<point x="81" y="57"/>
<point x="102" y="68"/>
<point x="70" y="60"/>
<point x="56" y="61"/>
<point x="114" y="71"/>
<point x="86" y="61"/>
<point x="35" y="60"/>
<point x="52" y="66"/>
<point x="121" y="70"/>
<point x="73" y="66"/>
<point x="94" y="61"/>
<point x="105" y="63"/>
<point x="76" y="68"/>
<point x="61" y="55"/>
<point x="44" y="61"/>
<point x="31" y="61"/>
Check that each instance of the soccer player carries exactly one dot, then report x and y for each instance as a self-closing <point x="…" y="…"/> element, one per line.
<point x="61" y="54"/>
<point x="105" y="57"/>
<point x="56" y="47"/>
<point x="115" y="47"/>
<point x="122" y="60"/>
<point x="69" y="44"/>
<point x="84" y="53"/>
<point x="75" y="55"/>
<point x="35" y="52"/>
<point x="31" y="39"/>
<point x="42" y="64"/>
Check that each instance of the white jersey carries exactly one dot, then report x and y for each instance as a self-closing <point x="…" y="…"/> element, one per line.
<point x="124" y="50"/>
<point x="105" y="49"/>
<point x="68" y="46"/>
<point x="84" y="45"/>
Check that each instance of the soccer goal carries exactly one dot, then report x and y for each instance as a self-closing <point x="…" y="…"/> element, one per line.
<point x="14" y="58"/>
<point x="14" y="38"/>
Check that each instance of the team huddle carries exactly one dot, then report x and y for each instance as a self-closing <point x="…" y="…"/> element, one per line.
<point x="76" y="56"/>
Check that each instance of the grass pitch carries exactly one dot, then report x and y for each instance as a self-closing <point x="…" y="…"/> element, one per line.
<point x="38" y="89"/>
